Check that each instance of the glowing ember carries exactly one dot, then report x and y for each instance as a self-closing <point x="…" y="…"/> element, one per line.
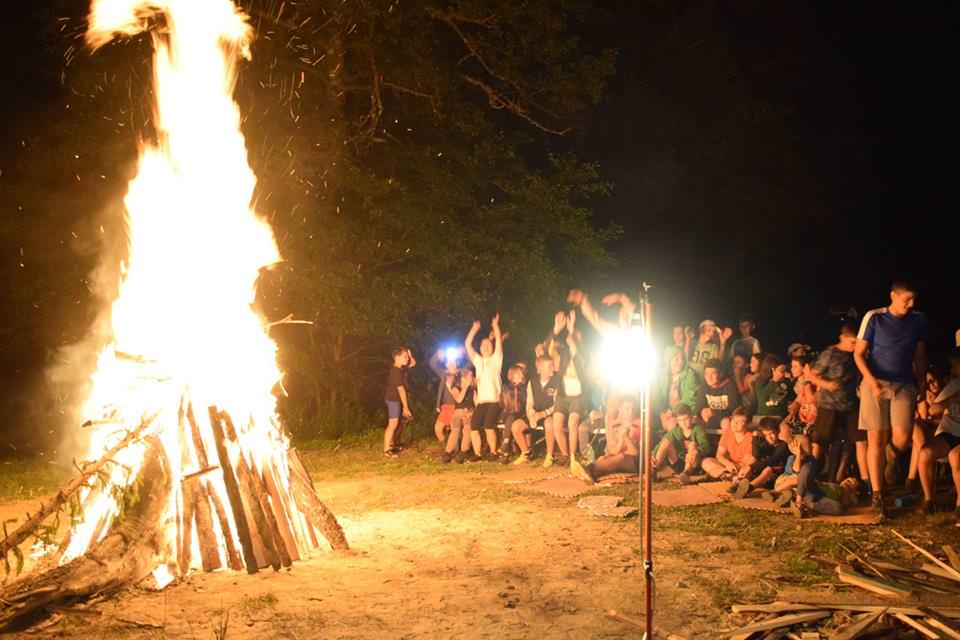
<point x="189" y="355"/>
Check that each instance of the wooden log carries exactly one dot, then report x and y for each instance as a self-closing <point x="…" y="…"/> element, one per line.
<point x="283" y="513"/>
<point x="952" y="556"/>
<point x="922" y="629"/>
<point x="789" y="607"/>
<point x="198" y="446"/>
<point x="951" y="572"/>
<point x="233" y="556"/>
<point x="206" y="538"/>
<point x="21" y="533"/>
<point x="854" y="629"/>
<point x="881" y="587"/>
<point x="310" y="505"/>
<point x="258" y="519"/>
<point x="949" y="627"/>
<point x="125" y="556"/>
<point x="779" y="622"/>
<point x="937" y="571"/>
<point x="273" y="523"/>
<point x="233" y="493"/>
<point x="185" y="559"/>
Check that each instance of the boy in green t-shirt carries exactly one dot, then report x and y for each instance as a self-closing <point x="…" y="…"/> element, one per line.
<point x="683" y="446"/>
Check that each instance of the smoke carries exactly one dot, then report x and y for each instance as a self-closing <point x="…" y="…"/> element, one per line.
<point x="68" y="379"/>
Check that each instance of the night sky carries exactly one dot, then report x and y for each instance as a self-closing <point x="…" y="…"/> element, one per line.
<point x="823" y="131"/>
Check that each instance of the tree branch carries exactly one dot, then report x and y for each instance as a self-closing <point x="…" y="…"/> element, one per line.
<point x="498" y="100"/>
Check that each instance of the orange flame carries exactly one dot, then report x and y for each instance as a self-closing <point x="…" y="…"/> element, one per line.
<point x="182" y="323"/>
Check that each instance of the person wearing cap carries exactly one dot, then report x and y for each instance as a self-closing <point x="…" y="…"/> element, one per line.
<point x="710" y="345"/>
<point x="798" y="349"/>
<point x="892" y="358"/>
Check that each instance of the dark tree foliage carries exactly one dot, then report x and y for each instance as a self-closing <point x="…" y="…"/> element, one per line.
<point x="402" y="162"/>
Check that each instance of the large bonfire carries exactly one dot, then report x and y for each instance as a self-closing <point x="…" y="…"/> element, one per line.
<point x="189" y="468"/>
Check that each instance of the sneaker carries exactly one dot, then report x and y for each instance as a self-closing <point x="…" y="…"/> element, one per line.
<point x="548" y="461"/>
<point x="460" y="457"/>
<point x="878" y="507"/>
<point x="799" y="510"/>
<point x="768" y="495"/>
<point x="489" y="457"/>
<point x="578" y="471"/>
<point x="928" y="507"/>
<point x="912" y="485"/>
<point x="732" y="489"/>
<point x="391" y="454"/>
<point x="785" y="498"/>
<point x="472" y="457"/>
<point x="445" y="457"/>
<point x="504" y="458"/>
<point x="561" y="460"/>
<point x="522" y="459"/>
<point x="743" y="489"/>
<point x="685" y="479"/>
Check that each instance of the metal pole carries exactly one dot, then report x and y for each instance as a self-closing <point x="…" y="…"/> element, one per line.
<point x="647" y="315"/>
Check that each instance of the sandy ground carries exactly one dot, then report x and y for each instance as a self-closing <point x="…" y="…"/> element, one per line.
<point x="453" y="555"/>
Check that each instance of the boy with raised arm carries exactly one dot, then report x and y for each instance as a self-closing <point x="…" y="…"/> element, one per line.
<point x="488" y="365"/>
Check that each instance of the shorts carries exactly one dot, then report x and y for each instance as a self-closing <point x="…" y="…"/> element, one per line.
<point x="510" y="418"/>
<point x="951" y="440"/>
<point x="446" y="414"/>
<point x="893" y="409"/>
<point x="486" y="416"/>
<point x="834" y="425"/>
<point x="394" y="409"/>
<point x="571" y="405"/>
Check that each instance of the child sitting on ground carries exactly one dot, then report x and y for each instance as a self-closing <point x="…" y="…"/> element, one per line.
<point x="798" y="487"/>
<point x="626" y="459"/>
<point x="735" y="451"/>
<point x="683" y="446"/>
<point x="770" y="456"/>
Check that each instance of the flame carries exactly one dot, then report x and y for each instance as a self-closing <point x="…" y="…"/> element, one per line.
<point x="184" y="332"/>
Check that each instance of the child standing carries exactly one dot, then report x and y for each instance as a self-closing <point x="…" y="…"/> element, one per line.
<point x="488" y="364"/>
<point x="446" y="373"/>
<point x="396" y="399"/>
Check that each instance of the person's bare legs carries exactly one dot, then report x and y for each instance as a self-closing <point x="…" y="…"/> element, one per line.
<point x="548" y="438"/>
<point x="558" y="433"/>
<point x="954" y="458"/>
<point x="619" y="463"/>
<point x="877" y="441"/>
<point x="665" y="452"/>
<point x="927" y="462"/>
<point x="712" y="467"/>
<point x="440" y="430"/>
<point x="456" y="431"/>
<point x="573" y="433"/>
<point x="475" y="440"/>
<point x="491" y="435"/>
<point x="783" y="483"/>
<point x="519" y="428"/>
<point x="388" y="433"/>
<point x="762" y="478"/>
<point x="692" y="460"/>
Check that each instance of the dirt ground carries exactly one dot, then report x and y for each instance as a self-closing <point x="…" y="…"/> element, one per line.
<point x="455" y="553"/>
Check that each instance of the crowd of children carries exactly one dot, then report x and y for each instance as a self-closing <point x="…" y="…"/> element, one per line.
<point x="817" y="432"/>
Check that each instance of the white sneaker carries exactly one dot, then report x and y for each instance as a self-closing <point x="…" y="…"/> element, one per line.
<point x="548" y="461"/>
<point x="522" y="459"/>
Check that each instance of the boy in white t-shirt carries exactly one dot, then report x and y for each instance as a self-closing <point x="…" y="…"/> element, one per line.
<point x="488" y="365"/>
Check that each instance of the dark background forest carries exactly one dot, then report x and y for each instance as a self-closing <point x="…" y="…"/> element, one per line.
<point x="424" y="164"/>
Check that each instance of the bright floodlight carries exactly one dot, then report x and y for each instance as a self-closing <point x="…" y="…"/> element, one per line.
<point x="627" y="358"/>
<point x="452" y="353"/>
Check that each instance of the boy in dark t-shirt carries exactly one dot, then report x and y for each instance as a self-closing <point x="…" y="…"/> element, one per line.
<point x="396" y="399"/>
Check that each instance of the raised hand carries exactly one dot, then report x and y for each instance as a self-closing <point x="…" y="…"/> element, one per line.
<point x="726" y="334"/>
<point x="495" y="322"/>
<point x="476" y="326"/>
<point x="571" y="321"/>
<point x="575" y="296"/>
<point x="688" y="332"/>
<point x="559" y="322"/>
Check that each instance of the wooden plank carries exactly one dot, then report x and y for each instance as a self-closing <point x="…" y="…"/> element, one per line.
<point x="233" y="556"/>
<point x="280" y="542"/>
<point x="952" y="555"/>
<point x="953" y="573"/>
<point x="853" y="630"/>
<point x="881" y="587"/>
<point x="940" y="626"/>
<point x="935" y="570"/>
<point x="776" y="623"/>
<point x="282" y="513"/>
<point x="209" y="549"/>
<point x="773" y="607"/>
<point x="259" y="528"/>
<point x="233" y="493"/>
<point x="924" y="630"/>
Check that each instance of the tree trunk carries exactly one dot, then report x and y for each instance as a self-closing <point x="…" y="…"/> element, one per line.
<point x="124" y="557"/>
